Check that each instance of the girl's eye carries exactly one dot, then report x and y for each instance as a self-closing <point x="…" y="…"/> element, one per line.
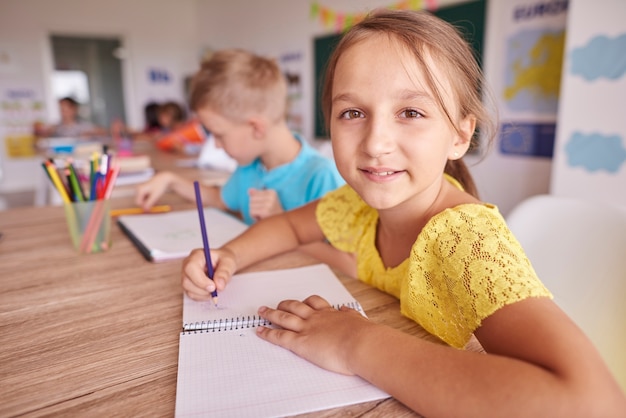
<point x="410" y="114"/>
<point x="351" y="114"/>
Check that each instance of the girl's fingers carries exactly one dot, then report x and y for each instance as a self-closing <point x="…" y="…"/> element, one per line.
<point x="289" y="315"/>
<point x="194" y="292"/>
<point x="317" y="302"/>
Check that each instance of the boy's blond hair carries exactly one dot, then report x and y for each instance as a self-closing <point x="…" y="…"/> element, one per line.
<point x="237" y="84"/>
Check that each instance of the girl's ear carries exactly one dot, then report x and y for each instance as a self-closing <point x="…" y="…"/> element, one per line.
<point x="463" y="138"/>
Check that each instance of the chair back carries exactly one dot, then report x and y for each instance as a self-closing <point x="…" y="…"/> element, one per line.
<point x="578" y="249"/>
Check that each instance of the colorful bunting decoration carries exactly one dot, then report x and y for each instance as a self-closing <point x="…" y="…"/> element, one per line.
<point x="341" y="22"/>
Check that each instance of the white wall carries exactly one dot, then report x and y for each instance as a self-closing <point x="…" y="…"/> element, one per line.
<point x="595" y="167"/>
<point x="157" y="34"/>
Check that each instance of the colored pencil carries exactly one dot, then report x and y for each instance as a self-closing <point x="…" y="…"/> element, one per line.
<point x="205" y="239"/>
<point x="139" y="211"/>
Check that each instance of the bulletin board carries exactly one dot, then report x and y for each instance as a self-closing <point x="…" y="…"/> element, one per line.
<point x="469" y="17"/>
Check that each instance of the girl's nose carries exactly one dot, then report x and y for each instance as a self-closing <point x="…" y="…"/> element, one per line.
<point x="378" y="138"/>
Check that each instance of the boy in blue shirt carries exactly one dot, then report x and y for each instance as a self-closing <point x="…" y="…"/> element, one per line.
<point x="241" y="99"/>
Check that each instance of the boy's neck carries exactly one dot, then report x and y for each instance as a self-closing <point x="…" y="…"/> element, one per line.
<point x="281" y="146"/>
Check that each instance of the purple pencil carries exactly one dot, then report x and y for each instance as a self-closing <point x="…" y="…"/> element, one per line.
<point x="205" y="239"/>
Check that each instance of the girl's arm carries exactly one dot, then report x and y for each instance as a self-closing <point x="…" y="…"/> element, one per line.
<point x="266" y="238"/>
<point x="538" y="362"/>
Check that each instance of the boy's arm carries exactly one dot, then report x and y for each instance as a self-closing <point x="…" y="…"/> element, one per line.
<point x="151" y="191"/>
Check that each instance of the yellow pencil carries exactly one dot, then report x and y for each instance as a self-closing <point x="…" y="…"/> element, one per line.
<point x="54" y="176"/>
<point x="138" y="211"/>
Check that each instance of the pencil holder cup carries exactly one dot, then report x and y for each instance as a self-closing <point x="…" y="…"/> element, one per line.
<point x="89" y="224"/>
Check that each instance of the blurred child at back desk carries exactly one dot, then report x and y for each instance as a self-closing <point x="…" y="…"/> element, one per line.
<point x="241" y="98"/>
<point x="70" y="125"/>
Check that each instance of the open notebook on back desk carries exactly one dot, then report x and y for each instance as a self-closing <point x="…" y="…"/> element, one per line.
<point x="224" y="369"/>
<point x="172" y="235"/>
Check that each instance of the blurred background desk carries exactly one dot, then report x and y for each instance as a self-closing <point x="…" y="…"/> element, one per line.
<point x="144" y="154"/>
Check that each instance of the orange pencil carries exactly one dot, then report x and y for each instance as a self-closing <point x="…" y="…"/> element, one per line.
<point x="139" y="211"/>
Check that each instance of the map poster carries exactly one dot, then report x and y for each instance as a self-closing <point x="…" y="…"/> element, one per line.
<point x="532" y="45"/>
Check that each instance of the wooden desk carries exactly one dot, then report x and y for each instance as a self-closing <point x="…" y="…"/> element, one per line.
<point x="97" y="334"/>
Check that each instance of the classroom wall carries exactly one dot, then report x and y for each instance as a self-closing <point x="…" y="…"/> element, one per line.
<point x="174" y="36"/>
<point x="157" y="35"/>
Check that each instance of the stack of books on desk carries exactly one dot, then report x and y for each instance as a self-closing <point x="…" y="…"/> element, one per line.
<point x="134" y="169"/>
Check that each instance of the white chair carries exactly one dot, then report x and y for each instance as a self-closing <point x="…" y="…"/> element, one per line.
<point x="578" y="249"/>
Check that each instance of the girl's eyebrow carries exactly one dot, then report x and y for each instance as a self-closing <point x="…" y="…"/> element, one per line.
<point x="406" y="94"/>
<point x="415" y="95"/>
<point x="344" y="97"/>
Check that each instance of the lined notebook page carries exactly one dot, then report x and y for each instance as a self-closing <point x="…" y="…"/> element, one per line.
<point x="236" y="374"/>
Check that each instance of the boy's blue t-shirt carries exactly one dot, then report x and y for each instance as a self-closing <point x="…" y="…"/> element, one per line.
<point x="308" y="177"/>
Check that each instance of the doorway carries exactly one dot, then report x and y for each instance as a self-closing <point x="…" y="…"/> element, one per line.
<point x="89" y="69"/>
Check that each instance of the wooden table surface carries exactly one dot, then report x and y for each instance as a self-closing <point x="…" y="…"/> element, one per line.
<point x="97" y="334"/>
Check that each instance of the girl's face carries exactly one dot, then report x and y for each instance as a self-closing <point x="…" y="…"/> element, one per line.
<point x="390" y="139"/>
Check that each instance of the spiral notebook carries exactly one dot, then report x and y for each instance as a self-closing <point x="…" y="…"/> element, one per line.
<point x="225" y="370"/>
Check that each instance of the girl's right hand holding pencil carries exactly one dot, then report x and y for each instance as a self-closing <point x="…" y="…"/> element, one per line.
<point x="195" y="280"/>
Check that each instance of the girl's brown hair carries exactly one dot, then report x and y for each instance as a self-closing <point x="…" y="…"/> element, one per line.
<point x="424" y="34"/>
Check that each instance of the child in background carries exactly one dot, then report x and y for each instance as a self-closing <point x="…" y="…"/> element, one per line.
<point x="175" y="131"/>
<point x="71" y="125"/>
<point x="241" y="99"/>
<point x="402" y="100"/>
<point x="151" y="116"/>
<point x="170" y="116"/>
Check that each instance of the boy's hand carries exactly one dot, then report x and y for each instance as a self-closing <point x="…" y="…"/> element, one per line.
<point x="150" y="192"/>
<point x="315" y="331"/>
<point x="264" y="203"/>
<point x="194" y="277"/>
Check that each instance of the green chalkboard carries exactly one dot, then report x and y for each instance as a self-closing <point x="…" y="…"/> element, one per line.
<point x="469" y="17"/>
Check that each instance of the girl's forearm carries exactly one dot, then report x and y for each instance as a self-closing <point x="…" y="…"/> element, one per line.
<point x="276" y="235"/>
<point x="437" y="380"/>
<point x="262" y="240"/>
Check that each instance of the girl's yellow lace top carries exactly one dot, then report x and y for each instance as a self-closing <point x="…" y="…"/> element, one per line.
<point x="464" y="265"/>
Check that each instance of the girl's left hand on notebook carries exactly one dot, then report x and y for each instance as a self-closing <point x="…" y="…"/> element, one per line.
<point x="316" y="331"/>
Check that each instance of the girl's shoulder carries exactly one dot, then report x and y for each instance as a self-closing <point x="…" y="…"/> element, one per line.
<point x="481" y="217"/>
<point x="344" y="217"/>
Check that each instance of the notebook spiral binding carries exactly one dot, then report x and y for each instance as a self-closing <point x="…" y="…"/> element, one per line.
<point x="229" y="324"/>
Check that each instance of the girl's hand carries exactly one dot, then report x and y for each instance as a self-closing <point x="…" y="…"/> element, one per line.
<point x="264" y="203"/>
<point x="194" y="277"/>
<point x="315" y="331"/>
<point x="150" y="192"/>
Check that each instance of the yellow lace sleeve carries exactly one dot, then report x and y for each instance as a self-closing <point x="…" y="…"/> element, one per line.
<point x="465" y="265"/>
<point x="343" y="216"/>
